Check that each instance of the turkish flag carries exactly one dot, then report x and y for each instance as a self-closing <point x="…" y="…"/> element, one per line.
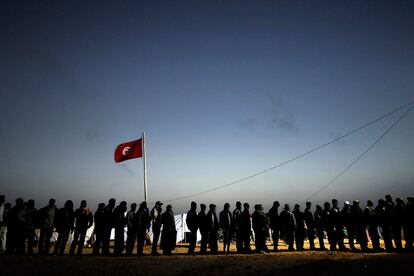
<point x="128" y="150"/>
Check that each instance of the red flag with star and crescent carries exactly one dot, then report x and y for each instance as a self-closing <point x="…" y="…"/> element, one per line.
<point x="128" y="150"/>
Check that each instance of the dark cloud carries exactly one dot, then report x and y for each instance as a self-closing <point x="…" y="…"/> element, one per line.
<point x="125" y="167"/>
<point x="91" y="135"/>
<point x="281" y="117"/>
<point x="247" y="122"/>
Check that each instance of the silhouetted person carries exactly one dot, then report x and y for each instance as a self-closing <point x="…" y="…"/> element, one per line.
<point x="20" y="230"/>
<point x="335" y="220"/>
<point x="371" y="220"/>
<point x="359" y="225"/>
<point x="319" y="225"/>
<point x="169" y="233"/>
<point x="310" y="223"/>
<point x="83" y="220"/>
<point x="131" y="230"/>
<point x="300" y="227"/>
<point x="398" y="223"/>
<point x="226" y="220"/>
<point x="203" y="226"/>
<point x="385" y="226"/>
<point x="30" y="221"/>
<point x="46" y="216"/>
<point x="288" y="223"/>
<point x="156" y="214"/>
<point x="236" y="226"/>
<point x="14" y="231"/>
<point x="64" y="224"/>
<point x="260" y="228"/>
<point x="329" y="226"/>
<point x="246" y="228"/>
<point x="213" y="228"/>
<point x="108" y="224"/>
<point x="409" y="224"/>
<point x="3" y="225"/>
<point x="346" y="219"/>
<point x="119" y="224"/>
<point x="389" y="219"/>
<point x="99" y="228"/>
<point x="275" y="224"/>
<point x="192" y="225"/>
<point x="143" y="222"/>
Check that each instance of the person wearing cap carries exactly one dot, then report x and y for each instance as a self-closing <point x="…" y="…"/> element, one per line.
<point x="143" y="223"/>
<point x="131" y="230"/>
<point x="372" y="224"/>
<point x="288" y="222"/>
<point x="310" y="223"/>
<point x="274" y="223"/>
<point x="236" y="226"/>
<point x="203" y="226"/>
<point x="359" y="223"/>
<point x="169" y="233"/>
<point x="213" y="227"/>
<point x="300" y="227"/>
<point x="3" y="226"/>
<point x="192" y="225"/>
<point x="156" y="226"/>
<point x="226" y="220"/>
<point x="246" y="228"/>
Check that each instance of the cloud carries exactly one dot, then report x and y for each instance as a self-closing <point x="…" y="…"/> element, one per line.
<point x="280" y="116"/>
<point x="247" y="122"/>
<point x="125" y="167"/>
<point x="91" y="135"/>
<point x="277" y="115"/>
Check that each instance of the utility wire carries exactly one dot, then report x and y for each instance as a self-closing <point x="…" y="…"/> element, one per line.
<point x="360" y="156"/>
<point x="296" y="157"/>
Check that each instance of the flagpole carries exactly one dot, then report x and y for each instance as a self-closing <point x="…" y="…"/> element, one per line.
<point x="144" y="154"/>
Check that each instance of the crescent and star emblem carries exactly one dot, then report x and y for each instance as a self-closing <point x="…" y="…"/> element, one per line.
<point x="126" y="151"/>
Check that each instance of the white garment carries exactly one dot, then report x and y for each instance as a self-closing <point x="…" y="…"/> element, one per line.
<point x="3" y="234"/>
<point x="1" y="213"/>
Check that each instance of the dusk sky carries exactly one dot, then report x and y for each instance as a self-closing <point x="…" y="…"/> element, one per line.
<point x="223" y="89"/>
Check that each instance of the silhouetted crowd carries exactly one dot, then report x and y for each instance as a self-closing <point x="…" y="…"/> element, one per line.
<point x="388" y="220"/>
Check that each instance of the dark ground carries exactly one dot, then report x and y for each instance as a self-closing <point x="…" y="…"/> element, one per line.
<point x="283" y="263"/>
